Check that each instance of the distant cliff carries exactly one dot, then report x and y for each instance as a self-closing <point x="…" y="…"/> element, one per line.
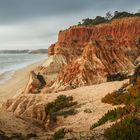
<point x="39" y="51"/>
<point x="42" y="51"/>
<point x="13" y="51"/>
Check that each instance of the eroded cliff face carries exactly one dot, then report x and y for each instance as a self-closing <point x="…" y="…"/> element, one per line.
<point x="94" y="52"/>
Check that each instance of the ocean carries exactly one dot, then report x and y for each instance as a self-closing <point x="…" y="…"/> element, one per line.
<point x="9" y="63"/>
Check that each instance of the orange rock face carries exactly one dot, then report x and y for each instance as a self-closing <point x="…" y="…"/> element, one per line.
<point x="94" y="52"/>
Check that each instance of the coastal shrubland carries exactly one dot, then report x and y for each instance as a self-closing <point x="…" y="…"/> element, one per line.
<point x="127" y="119"/>
<point x="127" y="129"/>
<point x="113" y="115"/>
<point x="127" y="94"/>
<point x="109" y="17"/>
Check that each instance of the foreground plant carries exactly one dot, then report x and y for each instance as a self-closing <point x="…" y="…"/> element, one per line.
<point x="55" y="108"/>
<point x="127" y="129"/>
<point x="113" y="115"/>
<point x="59" y="134"/>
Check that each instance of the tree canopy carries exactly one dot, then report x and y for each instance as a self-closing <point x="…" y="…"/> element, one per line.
<point x="109" y="16"/>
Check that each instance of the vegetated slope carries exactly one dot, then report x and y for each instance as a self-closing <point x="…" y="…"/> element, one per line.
<point x="89" y="107"/>
<point x="127" y="118"/>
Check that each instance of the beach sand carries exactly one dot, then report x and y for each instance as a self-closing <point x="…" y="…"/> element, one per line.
<point x="88" y="98"/>
<point x="17" y="83"/>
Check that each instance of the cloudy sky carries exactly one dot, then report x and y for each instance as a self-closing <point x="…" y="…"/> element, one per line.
<point x="33" y="24"/>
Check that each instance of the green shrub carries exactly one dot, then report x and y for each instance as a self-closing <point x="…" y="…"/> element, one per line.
<point x="116" y="77"/>
<point x="112" y="115"/>
<point x="61" y="102"/>
<point x="137" y="103"/>
<point x="131" y="96"/>
<point x="55" y="108"/>
<point x="129" y="126"/>
<point x="59" y="134"/>
<point x="31" y="135"/>
<point x="122" y="15"/>
<point x="126" y="129"/>
<point x="88" y="111"/>
<point x="67" y="112"/>
<point x="115" y="99"/>
<point x="17" y="136"/>
<point x="91" y="22"/>
<point x="108" y="18"/>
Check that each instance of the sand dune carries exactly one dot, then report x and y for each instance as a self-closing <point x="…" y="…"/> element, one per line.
<point x="88" y="98"/>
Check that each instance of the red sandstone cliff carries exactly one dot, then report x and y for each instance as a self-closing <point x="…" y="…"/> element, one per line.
<point x="94" y="52"/>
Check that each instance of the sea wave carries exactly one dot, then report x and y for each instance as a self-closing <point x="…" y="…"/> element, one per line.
<point x="9" y="63"/>
<point x="5" y="76"/>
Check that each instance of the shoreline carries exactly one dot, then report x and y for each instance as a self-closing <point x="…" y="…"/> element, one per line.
<point x="17" y="83"/>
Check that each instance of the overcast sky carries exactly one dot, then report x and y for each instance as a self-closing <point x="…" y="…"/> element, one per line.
<point x="33" y="24"/>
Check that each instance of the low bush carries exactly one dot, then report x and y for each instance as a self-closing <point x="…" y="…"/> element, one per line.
<point x="59" y="134"/>
<point x="31" y="135"/>
<point x="116" y="77"/>
<point x="55" y="108"/>
<point x="17" y="136"/>
<point x="88" y="111"/>
<point x="137" y="103"/>
<point x="109" y="17"/>
<point x="115" y="99"/>
<point x="122" y="15"/>
<point x="60" y="103"/>
<point x="126" y="129"/>
<point x="112" y="115"/>
<point x="91" y="22"/>
<point x="131" y="96"/>
<point x="67" y="112"/>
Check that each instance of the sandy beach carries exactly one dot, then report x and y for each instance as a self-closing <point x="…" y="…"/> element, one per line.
<point x="17" y="82"/>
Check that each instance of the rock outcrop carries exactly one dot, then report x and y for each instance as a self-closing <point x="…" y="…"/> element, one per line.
<point x="48" y="70"/>
<point x="94" y="52"/>
<point x="25" y="106"/>
<point x="33" y="85"/>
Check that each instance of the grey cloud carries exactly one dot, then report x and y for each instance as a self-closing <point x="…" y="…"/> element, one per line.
<point x="11" y="10"/>
<point x="36" y="23"/>
<point x="14" y="10"/>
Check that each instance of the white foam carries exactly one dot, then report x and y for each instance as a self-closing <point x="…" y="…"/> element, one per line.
<point x="9" y="63"/>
